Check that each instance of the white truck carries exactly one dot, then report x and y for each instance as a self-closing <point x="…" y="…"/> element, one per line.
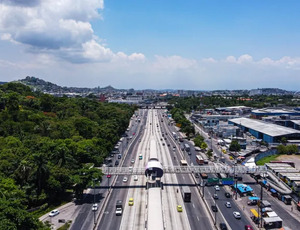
<point x="119" y="208"/>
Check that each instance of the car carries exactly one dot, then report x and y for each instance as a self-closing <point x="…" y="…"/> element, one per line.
<point x="216" y="196"/>
<point x="227" y="204"/>
<point x="168" y="144"/>
<point x="119" y="156"/>
<point x="197" y="175"/>
<point x="54" y="212"/>
<point x="217" y="188"/>
<point x="133" y="134"/>
<point x="237" y="215"/>
<point x="116" y="163"/>
<point x="214" y="208"/>
<point x="179" y="208"/>
<point x="132" y="161"/>
<point x="130" y="202"/>
<point x="161" y="139"/>
<point x="140" y="140"/>
<point x="163" y="144"/>
<point x="95" y="207"/>
<point x="135" y="178"/>
<point x="125" y="179"/>
<point x="248" y="227"/>
<point x="223" y="226"/>
<point x="227" y="194"/>
<point x="165" y="138"/>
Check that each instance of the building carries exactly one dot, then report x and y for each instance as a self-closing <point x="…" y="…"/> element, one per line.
<point x="259" y="113"/>
<point x="270" y="133"/>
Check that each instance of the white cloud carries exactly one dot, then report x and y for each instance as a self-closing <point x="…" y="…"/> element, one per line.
<point x="231" y="59"/>
<point x="60" y="28"/>
<point x="246" y="58"/>
<point x="172" y="63"/>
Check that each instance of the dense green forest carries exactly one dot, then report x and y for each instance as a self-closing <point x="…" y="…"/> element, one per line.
<point x="209" y="102"/>
<point x="47" y="147"/>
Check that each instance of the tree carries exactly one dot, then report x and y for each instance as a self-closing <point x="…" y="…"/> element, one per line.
<point x="234" y="146"/>
<point x="203" y="146"/>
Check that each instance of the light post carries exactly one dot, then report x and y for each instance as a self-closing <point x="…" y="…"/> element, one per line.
<point x="202" y="184"/>
<point x="215" y="222"/>
<point x="94" y="199"/>
<point x="235" y="178"/>
<point x="261" y="199"/>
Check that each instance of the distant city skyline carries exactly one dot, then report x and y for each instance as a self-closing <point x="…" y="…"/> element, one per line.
<point x="189" y="45"/>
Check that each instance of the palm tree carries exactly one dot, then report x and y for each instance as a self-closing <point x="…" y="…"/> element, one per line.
<point x="23" y="172"/>
<point x="41" y="170"/>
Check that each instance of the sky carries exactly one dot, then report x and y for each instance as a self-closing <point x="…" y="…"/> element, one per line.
<point x="152" y="44"/>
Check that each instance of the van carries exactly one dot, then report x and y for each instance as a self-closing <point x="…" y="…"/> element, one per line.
<point x="130" y="168"/>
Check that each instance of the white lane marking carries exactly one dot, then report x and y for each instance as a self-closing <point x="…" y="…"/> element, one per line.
<point x="198" y="218"/>
<point x="193" y="205"/>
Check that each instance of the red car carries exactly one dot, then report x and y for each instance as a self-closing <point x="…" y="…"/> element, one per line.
<point x="133" y="134"/>
<point x="248" y="227"/>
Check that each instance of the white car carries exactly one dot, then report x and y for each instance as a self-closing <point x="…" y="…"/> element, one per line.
<point x="132" y="161"/>
<point x="217" y="188"/>
<point x="53" y="213"/>
<point x="227" y="204"/>
<point x="237" y="215"/>
<point x="125" y="179"/>
<point x="135" y="178"/>
<point x="95" y="207"/>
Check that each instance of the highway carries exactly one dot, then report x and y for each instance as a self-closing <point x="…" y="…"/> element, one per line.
<point x="84" y="214"/>
<point x="197" y="214"/>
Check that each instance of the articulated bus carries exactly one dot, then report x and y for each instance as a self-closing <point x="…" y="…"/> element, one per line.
<point x="183" y="163"/>
<point x="199" y="160"/>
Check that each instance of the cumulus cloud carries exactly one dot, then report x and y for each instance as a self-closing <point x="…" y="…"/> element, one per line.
<point x="173" y="63"/>
<point x="60" y="28"/>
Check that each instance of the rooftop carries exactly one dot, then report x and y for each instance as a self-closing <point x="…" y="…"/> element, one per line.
<point x="263" y="127"/>
<point x="278" y="111"/>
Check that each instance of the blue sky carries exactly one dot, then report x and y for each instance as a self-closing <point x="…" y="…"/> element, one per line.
<point x="203" y="44"/>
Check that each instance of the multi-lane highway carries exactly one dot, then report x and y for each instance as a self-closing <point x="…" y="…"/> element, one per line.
<point x="196" y="214"/>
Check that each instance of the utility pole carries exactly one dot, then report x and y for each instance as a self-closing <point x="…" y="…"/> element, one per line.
<point x="261" y="199"/>
<point x="235" y="178"/>
<point x="94" y="200"/>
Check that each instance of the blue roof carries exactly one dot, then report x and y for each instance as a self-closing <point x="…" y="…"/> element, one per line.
<point x="254" y="198"/>
<point x="243" y="188"/>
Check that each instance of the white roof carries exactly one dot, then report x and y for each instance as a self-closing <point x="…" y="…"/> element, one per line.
<point x="296" y="121"/>
<point x="263" y="127"/>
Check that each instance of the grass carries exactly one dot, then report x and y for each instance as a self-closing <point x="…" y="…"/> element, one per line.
<point x="66" y="226"/>
<point x="267" y="159"/>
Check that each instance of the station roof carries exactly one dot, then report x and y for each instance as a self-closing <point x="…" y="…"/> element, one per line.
<point x="297" y="122"/>
<point x="263" y="127"/>
<point x="275" y="111"/>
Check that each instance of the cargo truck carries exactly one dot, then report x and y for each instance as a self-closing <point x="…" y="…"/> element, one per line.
<point x="119" y="207"/>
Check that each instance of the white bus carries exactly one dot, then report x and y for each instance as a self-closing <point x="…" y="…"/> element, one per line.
<point x="183" y="163"/>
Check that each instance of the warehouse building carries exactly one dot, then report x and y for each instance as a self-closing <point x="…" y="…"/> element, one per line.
<point x="270" y="133"/>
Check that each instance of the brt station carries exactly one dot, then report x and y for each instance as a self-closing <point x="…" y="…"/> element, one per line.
<point x="153" y="172"/>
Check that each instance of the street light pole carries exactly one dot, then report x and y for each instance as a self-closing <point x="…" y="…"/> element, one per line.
<point x="215" y="212"/>
<point x="94" y="200"/>
<point x="235" y="181"/>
